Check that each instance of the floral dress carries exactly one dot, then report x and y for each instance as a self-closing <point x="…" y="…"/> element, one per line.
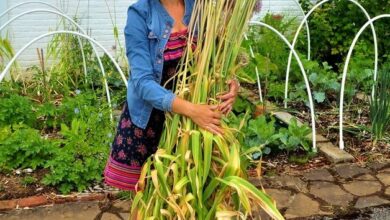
<point x="132" y="146"/>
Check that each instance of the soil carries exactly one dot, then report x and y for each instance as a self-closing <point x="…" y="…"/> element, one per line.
<point x="13" y="186"/>
<point x="284" y="163"/>
<point x="357" y="138"/>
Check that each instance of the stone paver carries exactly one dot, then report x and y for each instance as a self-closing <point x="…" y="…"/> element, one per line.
<point x="331" y="193"/>
<point x="299" y="196"/>
<point x="302" y="206"/>
<point x="387" y="170"/>
<point x="110" y="216"/>
<point x="350" y="170"/>
<point x="291" y="182"/>
<point x="387" y="191"/>
<point x="320" y="174"/>
<point x="122" y="205"/>
<point x="73" y="211"/>
<point x="363" y="188"/>
<point x="320" y="138"/>
<point x="384" y="178"/>
<point x="375" y="166"/>
<point x="366" y="177"/>
<point x="283" y="198"/>
<point x="333" y="153"/>
<point x="371" y="201"/>
<point x="286" y="117"/>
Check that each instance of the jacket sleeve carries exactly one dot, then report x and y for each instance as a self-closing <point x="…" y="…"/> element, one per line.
<point x="142" y="76"/>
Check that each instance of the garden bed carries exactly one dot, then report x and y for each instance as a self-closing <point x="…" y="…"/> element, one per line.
<point x="26" y="184"/>
<point x="15" y="186"/>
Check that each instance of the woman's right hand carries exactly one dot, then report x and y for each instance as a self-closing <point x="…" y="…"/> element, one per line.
<point x="207" y="117"/>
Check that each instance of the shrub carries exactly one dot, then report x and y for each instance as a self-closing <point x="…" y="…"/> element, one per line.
<point x="16" y="109"/>
<point x="22" y="147"/>
<point x="81" y="159"/>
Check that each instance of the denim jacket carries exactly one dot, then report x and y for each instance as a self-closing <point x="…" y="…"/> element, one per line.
<point x="146" y="34"/>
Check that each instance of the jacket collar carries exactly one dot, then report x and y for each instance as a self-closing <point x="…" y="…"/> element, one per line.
<point x="187" y="15"/>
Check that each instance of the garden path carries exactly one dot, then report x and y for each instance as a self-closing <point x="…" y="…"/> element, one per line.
<point x="342" y="191"/>
<point x="336" y="190"/>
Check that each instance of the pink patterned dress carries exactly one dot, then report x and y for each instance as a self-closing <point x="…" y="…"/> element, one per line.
<point x="132" y="146"/>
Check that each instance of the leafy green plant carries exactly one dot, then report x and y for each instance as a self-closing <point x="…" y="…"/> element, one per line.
<point x="80" y="105"/>
<point x="294" y="137"/>
<point x="16" y="109"/>
<point x="23" y="147"/>
<point x="270" y="55"/>
<point x="65" y="105"/>
<point x="28" y="180"/>
<point x="380" y="105"/>
<point x="323" y="81"/>
<point x="260" y="133"/>
<point x="79" y="162"/>
<point x="242" y="105"/>
<point x="48" y="116"/>
<point x="263" y="135"/>
<point x="334" y="25"/>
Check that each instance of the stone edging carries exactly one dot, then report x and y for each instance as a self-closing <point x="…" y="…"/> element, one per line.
<point x="44" y="200"/>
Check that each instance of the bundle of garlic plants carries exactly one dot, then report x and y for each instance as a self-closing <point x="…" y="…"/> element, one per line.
<point x="195" y="174"/>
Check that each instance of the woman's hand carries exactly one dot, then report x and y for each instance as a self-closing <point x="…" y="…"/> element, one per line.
<point x="229" y="98"/>
<point x="205" y="116"/>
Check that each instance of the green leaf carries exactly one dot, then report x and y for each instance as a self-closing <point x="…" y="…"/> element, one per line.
<point x="319" y="97"/>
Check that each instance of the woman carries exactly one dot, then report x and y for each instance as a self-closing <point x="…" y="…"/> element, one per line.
<point x="155" y="35"/>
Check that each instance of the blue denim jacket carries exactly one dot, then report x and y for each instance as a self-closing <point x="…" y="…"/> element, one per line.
<point x="146" y="34"/>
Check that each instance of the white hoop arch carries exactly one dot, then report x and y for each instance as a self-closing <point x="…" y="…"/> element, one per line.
<point x="10" y="63"/>
<point x="307" y="30"/>
<point x="80" y="44"/>
<point x="300" y="28"/>
<point x="55" y="8"/>
<point x="30" y="2"/>
<point x="308" y="50"/>
<point x="311" y="104"/>
<point x="345" y="72"/>
<point x="7" y="68"/>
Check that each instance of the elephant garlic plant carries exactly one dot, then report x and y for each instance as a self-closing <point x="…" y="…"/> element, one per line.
<point x="195" y="174"/>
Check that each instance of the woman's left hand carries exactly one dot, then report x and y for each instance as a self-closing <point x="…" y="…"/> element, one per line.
<point x="229" y="98"/>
